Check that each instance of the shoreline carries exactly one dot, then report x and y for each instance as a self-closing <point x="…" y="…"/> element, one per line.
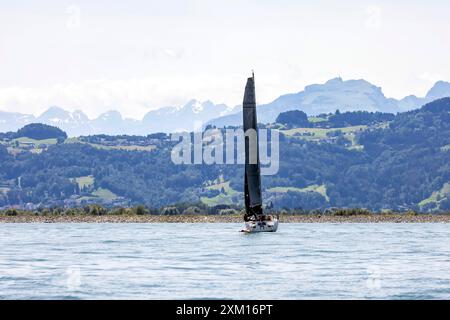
<point x="307" y="218"/>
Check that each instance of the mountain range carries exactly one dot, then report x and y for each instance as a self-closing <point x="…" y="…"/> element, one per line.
<point x="349" y="95"/>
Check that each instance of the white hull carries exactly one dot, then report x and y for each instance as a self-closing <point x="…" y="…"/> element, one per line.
<point x="261" y="226"/>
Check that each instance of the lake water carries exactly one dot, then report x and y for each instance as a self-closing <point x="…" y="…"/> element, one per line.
<point x="214" y="261"/>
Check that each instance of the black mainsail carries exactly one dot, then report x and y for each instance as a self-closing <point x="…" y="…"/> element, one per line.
<point x="252" y="180"/>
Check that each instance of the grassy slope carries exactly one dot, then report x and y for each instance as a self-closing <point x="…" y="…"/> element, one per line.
<point x="104" y="194"/>
<point x="85" y="181"/>
<point x="100" y="146"/>
<point x="35" y="142"/>
<point x="313" y="188"/>
<point x="316" y="119"/>
<point x="223" y="198"/>
<point x="88" y="181"/>
<point x="320" y="133"/>
<point x="437" y="196"/>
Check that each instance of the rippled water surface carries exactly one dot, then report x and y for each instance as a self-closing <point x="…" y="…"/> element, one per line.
<point x="209" y="261"/>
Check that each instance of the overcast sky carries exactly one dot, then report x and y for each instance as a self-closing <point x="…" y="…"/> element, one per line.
<point x="135" y="56"/>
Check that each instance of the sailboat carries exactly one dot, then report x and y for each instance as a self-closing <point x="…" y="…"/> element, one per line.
<point x="254" y="218"/>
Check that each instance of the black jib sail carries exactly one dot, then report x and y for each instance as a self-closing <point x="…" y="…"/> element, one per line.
<point x="252" y="183"/>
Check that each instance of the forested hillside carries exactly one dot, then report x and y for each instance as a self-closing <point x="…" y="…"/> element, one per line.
<point x="369" y="160"/>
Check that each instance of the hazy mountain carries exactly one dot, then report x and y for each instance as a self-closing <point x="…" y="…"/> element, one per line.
<point x="350" y="95"/>
<point x="112" y="123"/>
<point x="12" y="121"/>
<point x="334" y="94"/>
<point x="439" y="90"/>
<point x="409" y="102"/>
<point x="188" y="117"/>
<point x="75" y="123"/>
<point x="193" y="114"/>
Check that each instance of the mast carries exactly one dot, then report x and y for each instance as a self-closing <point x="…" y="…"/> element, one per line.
<point x="252" y="180"/>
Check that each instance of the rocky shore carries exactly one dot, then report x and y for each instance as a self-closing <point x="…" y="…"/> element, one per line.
<point x="307" y="218"/>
